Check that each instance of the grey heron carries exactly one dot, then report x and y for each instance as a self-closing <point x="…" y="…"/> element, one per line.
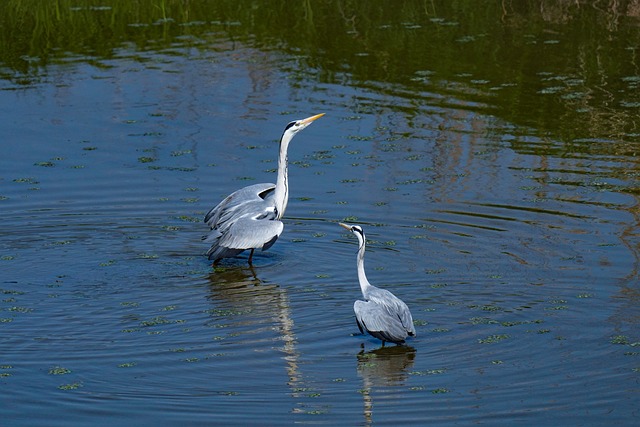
<point x="381" y="314"/>
<point x="249" y="218"/>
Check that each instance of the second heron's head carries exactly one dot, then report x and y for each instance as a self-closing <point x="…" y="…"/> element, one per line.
<point x="355" y="229"/>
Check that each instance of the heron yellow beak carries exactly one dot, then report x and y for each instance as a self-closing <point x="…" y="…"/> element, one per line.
<point x="345" y="226"/>
<point x="312" y="118"/>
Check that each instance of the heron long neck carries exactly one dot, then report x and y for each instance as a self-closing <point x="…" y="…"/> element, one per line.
<point x="362" y="277"/>
<point x="281" y="196"/>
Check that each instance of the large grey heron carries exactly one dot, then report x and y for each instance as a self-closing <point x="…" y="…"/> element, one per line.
<point x="381" y="314"/>
<point x="249" y="218"/>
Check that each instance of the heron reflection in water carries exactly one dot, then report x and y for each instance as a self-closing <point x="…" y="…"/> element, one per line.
<point x="249" y="218"/>
<point x="383" y="367"/>
<point x="258" y="308"/>
<point x="381" y="314"/>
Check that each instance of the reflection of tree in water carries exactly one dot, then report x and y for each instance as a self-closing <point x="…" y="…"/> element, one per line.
<point x="261" y="306"/>
<point x="386" y="366"/>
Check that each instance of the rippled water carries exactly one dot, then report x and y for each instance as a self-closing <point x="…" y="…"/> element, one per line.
<point x="520" y="264"/>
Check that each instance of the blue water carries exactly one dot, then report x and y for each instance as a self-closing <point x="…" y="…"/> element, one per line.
<point x="520" y="269"/>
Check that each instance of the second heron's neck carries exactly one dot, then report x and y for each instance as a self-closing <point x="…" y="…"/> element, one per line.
<point x="282" y="184"/>
<point x="362" y="277"/>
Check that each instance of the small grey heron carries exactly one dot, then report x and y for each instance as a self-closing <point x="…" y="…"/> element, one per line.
<point x="381" y="314"/>
<point x="249" y="218"/>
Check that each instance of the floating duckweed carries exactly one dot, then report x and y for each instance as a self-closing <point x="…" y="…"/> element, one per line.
<point x="188" y="218"/>
<point x="26" y="180"/>
<point x="147" y="256"/>
<point x="130" y="304"/>
<point x="440" y="391"/>
<point x="72" y="386"/>
<point x="180" y="153"/>
<point x="216" y="355"/>
<point x="492" y="339"/>
<point x="44" y="164"/>
<point x="360" y="138"/>
<point x="127" y="365"/>
<point x="20" y="309"/>
<point x="146" y="159"/>
<point x="428" y="372"/>
<point x="226" y="312"/>
<point x="158" y="320"/>
<point x="619" y="339"/>
<point x="57" y="370"/>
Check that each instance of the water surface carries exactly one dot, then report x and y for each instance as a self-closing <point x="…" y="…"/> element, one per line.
<point x="495" y="175"/>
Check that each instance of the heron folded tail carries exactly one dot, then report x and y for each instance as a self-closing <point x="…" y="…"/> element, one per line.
<point x="217" y="252"/>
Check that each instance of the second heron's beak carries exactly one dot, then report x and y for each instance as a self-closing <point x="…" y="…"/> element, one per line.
<point x="312" y="118"/>
<point x="348" y="227"/>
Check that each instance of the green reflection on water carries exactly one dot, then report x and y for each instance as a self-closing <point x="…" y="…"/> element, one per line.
<point x="564" y="68"/>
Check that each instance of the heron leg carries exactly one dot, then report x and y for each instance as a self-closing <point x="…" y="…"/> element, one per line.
<point x="251" y="257"/>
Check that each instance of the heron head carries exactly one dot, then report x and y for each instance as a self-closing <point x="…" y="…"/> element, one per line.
<point x="355" y="229"/>
<point x="297" y="125"/>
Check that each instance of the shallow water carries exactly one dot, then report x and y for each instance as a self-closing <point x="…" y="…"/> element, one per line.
<point x="514" y="244"/>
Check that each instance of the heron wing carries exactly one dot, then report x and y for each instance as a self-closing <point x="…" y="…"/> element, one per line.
<point x="251" y="232"/>
<point x="232" y="205"/>
<point x="376" y="320"/>
<point x="393" y="306"/>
